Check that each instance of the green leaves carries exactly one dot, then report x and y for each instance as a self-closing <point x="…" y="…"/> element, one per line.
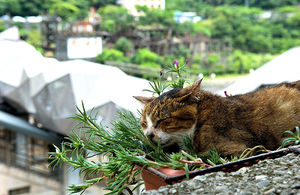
<point x="177" y="68"/>
<point x="124" y="147"/>
<point x="158" y="87"/>
<point x="294" y="140"/>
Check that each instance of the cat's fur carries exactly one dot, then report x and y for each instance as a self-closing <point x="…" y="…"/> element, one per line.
<point x="228" y="124"/>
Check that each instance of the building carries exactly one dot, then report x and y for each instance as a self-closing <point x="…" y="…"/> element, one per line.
<point x="181" y="17"/>
<point x="152" y="4"/>
<point x="26" y="137"/>
<point x="23" y="161"/>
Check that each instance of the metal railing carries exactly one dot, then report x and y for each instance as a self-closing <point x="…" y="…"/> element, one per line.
<point x="37" y="164"/>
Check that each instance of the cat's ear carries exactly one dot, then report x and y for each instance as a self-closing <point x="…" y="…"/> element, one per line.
<point x="195" y="88"/>
<point x="144" y="100"/>
<point x="190" y="91"/>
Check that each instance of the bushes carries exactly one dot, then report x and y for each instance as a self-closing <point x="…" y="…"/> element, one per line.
<point x="243" y="62"/>
<point x="182" y="52"/>
<point x="35" y="39"/>
<point x="2" y="26"/>
<point x="124" y="45"/>
<point x="283" y="44"/>
<point x="146" y="57"/>
<point x="111" y="55"/>
<point x="143" y="57"/>
<point x="238" y="62"/>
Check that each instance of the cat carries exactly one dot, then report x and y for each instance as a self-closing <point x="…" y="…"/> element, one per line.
<point x="229" y="124"/>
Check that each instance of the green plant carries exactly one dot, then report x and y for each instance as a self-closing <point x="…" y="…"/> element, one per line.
<point x="295" y="139"/>
<point x="123" y="44"/>
<point x="150" y="65"/>
<point x="2" y="26"/>
<point x="110" y="55"/>
<point x="158" y="87"/>
<point x="214" y="158"/>
<point x="182" y="51"/>
<point x="35" y="39"/>
<point x="125" y="147"/>
<point x="146" y="57"/>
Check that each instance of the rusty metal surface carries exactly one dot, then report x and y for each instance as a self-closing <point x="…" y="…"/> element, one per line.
<point x="227" y="167"/>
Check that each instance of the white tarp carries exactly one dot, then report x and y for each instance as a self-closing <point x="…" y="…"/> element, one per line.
<point x="51" y="90"/>
<point x="10" y="34"/>
<point x="283" y="68"/>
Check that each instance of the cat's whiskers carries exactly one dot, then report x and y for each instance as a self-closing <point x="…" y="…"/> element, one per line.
<point x="175" y="137"/>
<point x="164" y="138"/>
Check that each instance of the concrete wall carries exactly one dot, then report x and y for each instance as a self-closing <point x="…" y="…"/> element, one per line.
<point x="14" y="178"/>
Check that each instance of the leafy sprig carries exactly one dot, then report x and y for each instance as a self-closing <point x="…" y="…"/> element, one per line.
<point x="124" y="147"/>
<point x="159" y="86"/>
<point x="295" y="139"/>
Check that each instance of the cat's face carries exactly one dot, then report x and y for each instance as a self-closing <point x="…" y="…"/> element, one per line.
<point x="167" y="118"/>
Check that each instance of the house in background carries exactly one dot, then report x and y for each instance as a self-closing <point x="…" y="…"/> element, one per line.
<point x="181" y="17"/>
<point x="152" y="4"/>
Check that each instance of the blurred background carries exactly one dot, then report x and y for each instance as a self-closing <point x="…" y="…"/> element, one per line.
<point x="55" y="54"/>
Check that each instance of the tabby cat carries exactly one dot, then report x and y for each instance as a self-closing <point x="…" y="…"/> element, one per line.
<point x="229" y="124"/>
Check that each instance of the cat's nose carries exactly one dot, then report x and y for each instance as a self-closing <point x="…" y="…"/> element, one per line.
<point x="150" y="135"/>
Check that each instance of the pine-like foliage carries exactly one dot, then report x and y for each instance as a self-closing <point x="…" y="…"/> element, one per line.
<point x="124" y="147"/>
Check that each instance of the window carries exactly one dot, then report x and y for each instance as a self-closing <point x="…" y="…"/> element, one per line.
<point x="23" y="151"/>
<point x="23" y="190"/>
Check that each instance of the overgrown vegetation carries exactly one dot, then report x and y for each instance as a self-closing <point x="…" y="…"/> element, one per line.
<point x="258" y="32"/>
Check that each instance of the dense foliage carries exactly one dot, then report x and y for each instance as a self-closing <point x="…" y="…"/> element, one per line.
<point x="199" y="5"/>
<point x="110" y="55"/>
<point x="256" y="35"/>
<point x="124" y="45"/>
<point x="115" y="18"/>
<point x="248" y="29"/>
<point x="64" y="8"/>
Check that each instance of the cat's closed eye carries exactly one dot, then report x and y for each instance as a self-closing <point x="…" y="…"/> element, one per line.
<point x="144" y="125"/>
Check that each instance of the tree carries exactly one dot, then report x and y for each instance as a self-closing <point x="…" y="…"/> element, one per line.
<point x="12" y="7"/>
<point x="182" y="52"/>
<point x="185" y="27"/>
<point x="124" y="45"/>
<point x="74" y="9"/>
<point x="145" y="57"/>
<point x="67" y="9"/>
<point x="156" y="17"/>
<point x="110" y="55"/>
<point x="101" y="3"/>
<point x="118" y="17"/>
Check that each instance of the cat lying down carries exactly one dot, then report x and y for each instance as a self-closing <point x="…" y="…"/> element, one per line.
<point x="228" y="124"/>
